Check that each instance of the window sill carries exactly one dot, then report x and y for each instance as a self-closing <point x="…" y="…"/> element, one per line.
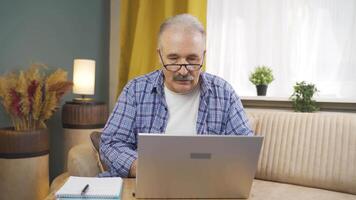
<point x="342" y="105"/>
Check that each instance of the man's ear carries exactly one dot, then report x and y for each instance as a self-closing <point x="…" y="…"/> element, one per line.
<point x="203" y="61"/>
<point x="159" y="58"/>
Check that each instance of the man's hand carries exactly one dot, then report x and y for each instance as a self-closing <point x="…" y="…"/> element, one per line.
<point x="133" y="169"/>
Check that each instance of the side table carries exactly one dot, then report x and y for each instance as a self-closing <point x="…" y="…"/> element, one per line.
<point x="79" y="119"/>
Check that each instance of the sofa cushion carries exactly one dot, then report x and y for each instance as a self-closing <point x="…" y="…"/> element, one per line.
<point x="310" y="149"/>
<point x="253" y="121"/>
<point x="95" y="139"/>
<point x="82" y="161"/>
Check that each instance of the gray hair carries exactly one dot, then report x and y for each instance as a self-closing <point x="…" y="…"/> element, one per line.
<point x="186" y="21"/>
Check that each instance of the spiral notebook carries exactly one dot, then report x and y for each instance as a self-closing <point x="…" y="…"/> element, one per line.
<point x="99" y="188"/>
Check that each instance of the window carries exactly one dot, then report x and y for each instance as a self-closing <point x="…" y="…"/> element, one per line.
<point x="313" y="41"/>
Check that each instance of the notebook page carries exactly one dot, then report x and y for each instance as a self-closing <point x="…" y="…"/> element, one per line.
<point x="98" y="187"/>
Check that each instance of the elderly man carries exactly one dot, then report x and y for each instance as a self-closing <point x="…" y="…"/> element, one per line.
<point x="177" y="99"/>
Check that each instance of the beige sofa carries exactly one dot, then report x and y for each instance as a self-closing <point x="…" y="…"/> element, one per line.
<point x="304" y="156"/>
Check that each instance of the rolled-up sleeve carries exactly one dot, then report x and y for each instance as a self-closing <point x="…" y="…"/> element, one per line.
<point x="237" y="122"/>
<point x="118" y="140"/>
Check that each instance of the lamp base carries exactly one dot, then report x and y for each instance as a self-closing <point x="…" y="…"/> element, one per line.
<point x="83" y="100"/>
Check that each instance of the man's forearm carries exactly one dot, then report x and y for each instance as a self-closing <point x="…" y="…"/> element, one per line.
<point x="118" y="157"/>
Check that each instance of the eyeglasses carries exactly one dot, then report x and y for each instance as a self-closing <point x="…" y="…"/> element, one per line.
<point x="176" y="67"/>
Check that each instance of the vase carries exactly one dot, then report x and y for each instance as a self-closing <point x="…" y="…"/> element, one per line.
<point x="261" y="90"/>
<point x="24" y="170"/>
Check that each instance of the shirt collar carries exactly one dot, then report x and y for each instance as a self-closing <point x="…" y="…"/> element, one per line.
<point x="205" y="83"/>
<point x="158" y="83"/>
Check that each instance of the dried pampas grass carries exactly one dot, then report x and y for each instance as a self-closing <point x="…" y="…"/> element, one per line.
<point x="31" y="97"/>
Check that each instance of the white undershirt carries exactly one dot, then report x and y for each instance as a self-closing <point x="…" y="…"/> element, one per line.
<point x="182" y="112"/>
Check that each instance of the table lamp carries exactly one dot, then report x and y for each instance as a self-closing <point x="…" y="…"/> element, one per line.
<point x="83" y="79"/>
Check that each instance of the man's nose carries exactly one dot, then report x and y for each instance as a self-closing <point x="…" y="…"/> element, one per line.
<point x="183" y="70"/>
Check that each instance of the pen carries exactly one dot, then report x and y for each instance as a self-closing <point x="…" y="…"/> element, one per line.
<point x="84" y="190"/>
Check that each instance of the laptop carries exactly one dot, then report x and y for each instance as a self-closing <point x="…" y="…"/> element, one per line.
<point x="199" y="166"/>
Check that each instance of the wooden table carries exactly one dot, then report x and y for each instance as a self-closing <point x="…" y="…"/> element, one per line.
<point x="261" y="190"/>
<point x="127" y="190"/>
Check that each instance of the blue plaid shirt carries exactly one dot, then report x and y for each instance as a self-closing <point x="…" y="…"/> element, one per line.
<point x="141" y="108"/>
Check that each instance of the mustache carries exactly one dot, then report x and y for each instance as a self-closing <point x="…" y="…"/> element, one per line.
<point x="180" y="77"/>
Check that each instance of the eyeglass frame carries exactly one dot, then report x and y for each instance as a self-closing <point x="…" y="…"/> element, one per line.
<point x="180" y="65"/>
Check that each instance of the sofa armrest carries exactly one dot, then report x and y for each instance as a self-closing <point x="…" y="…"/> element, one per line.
<point x="82" y="161"/>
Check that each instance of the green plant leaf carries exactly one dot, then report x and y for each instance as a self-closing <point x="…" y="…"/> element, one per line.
<point x="262" y="75"/>
<point x="302" y="97"/>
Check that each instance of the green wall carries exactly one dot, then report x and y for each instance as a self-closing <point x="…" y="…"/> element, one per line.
<point x="54" y="33"/>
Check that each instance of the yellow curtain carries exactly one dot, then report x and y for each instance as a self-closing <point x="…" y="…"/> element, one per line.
<point x="139" y="26"/>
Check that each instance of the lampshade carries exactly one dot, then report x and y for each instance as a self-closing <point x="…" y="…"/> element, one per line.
<point x="84" y="76"/>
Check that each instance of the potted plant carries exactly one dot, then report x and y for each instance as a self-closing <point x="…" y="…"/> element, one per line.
<point x="30" y="98"/>
<point x="261" y="77"/>
<point x="302" y="97"/>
